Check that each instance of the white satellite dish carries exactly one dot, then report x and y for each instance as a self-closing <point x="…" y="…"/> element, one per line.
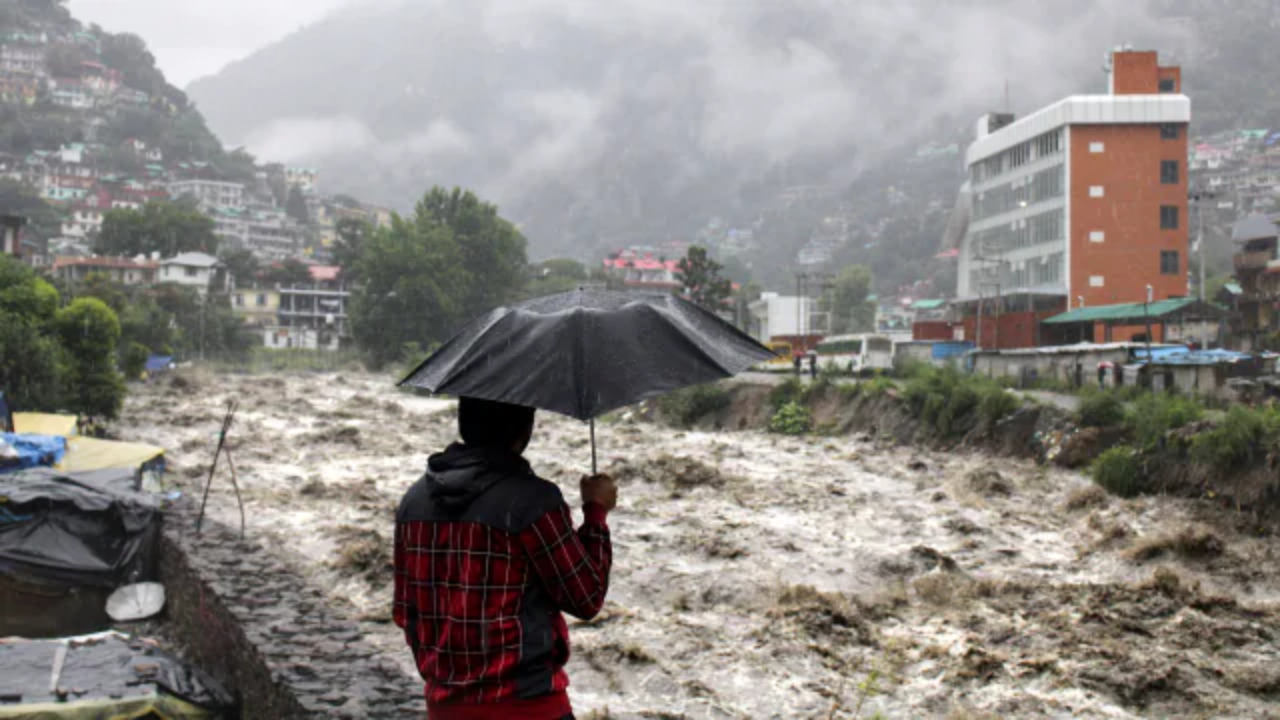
<point x="136" y="602"/>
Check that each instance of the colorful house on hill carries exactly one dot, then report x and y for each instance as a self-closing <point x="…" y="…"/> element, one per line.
<point x="641" y="269"/>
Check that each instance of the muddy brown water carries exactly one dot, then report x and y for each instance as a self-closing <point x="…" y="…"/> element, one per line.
<point x="757" y="576"/>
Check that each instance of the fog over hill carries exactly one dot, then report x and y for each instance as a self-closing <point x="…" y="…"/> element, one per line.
<point x="594" y="123"/>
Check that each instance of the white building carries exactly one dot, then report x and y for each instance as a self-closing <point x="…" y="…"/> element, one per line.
<point x="774" y="315"/>
<point x="197" y="270"/>
<point x="304" y="179"/>
<point x="22" y="59"/>
<point x="211" y="194"/>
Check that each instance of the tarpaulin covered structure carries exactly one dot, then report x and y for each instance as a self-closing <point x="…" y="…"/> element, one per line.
<point x="87" y="528"/>
<point x="86" y="454"/>
<point x="19" y="452"/>
<point x="104" y="677"/>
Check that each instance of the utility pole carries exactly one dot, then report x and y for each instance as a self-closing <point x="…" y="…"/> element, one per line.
<point x="1146" y="313"/>
<point x="1198" y="197"/>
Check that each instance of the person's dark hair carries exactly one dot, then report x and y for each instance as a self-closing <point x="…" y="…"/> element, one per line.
<point x="484" y="423"/>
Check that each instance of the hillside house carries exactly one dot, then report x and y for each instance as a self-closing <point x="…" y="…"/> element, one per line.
<point x="125" y="271"/>
<point x="314" y="315"/>
<point x="71" y="93"/>
<point x="639" y="268"/>
<point x="22" y="58"/>
<point x="210" y="193"/>
<point x="203" y="272"/>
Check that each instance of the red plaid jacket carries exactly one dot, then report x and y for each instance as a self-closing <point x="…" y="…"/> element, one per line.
<point x="486" y="559"/>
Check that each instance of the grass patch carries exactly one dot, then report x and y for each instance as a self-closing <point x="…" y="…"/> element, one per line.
<point x="685" y="407"/>
<point x="788" y="391"/>
<point x="1240" y="438"/>
<point x="1100" y="409"/>
<point x="1152" y="416"/>
<point x="876" y="386"/>
<point x="1119" y="472"/>
<point x="942" y="397"/>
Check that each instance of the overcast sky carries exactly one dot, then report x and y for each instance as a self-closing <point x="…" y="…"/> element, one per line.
<point x="194" y="38"/>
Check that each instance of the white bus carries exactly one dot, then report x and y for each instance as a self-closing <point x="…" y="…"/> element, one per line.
<point x="855" y="354"/>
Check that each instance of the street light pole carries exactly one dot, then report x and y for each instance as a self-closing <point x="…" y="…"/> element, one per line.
<point x="1198" y="197"/>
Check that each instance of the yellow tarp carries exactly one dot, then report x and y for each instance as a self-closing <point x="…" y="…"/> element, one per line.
<point x="85" y="454"/>
<point x="44" y="424"/>
<point x="150" y="706"/>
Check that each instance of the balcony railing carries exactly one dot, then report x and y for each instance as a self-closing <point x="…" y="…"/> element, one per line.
<point x="1253" y="260"/>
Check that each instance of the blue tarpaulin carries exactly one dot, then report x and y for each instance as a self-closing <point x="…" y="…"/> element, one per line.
<point x="1186" y="356"/>
<point x="948" y="350"/>
<point x="158" y="363"/>
<point x="34" y="450"/>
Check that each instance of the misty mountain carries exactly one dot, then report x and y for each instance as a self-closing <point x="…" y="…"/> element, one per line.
<point x="599" y="123"/>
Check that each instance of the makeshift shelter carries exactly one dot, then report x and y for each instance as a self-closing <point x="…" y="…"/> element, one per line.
<point x="86" y="454"/>
<point x="66" y="541"/>
<point x="27" y="423"/>
<point x="1169" y="319"/>
<point x="108" y="675"/>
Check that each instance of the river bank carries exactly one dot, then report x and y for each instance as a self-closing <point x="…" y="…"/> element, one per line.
<point x="758" y="575"/>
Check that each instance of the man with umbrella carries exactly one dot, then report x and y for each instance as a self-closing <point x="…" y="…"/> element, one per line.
<point x="486" y="556"/>
<point x="486" y="561"/>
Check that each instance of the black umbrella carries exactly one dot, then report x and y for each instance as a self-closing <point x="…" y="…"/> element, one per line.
<point x="586" y="352"/>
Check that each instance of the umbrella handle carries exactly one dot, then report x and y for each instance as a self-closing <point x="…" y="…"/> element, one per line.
<point x="593" y="447"/>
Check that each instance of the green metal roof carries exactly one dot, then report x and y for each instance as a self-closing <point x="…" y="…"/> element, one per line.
<point x="928" y="304"/>
<point x="1233" y="288"/>
<point x="1129" y="311"/>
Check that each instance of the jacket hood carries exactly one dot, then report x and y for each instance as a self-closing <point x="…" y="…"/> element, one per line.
<point x="460" y="474"/>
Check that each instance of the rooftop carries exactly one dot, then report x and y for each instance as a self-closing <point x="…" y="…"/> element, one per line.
<point x="1253" y="227"/>
<point x="192" y="259"/>
<point x="1136" y="313"/>
<point x="62" y="261"/>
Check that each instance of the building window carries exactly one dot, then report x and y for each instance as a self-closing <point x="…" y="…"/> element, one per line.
<point x="1096" y="191"/>
<point x="1097" y="281"/>
<point x="1168" y="217"/>
<point x="262" y="300"/>
<point x="1168" y="172"/>
<point x="1097" y="236"/>
<point x="1169" y="262"/>
<point x="239" y="301"/>
<point x="1169" y="131"/>
<point x="1167" y="85"/>
<point x="191" y="272"/>
<point x="1097" y="147"/>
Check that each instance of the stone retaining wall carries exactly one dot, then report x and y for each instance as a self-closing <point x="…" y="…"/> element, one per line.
<point x="254" y="624"/>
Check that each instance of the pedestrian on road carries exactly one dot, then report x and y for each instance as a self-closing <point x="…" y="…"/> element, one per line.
<point x="813" y="366"/>
<point x="795" y="360"/>
<point x="486" y="560"/>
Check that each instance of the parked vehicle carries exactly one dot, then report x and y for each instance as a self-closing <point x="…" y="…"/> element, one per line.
<point x="782" y="362"/>
<point x="856" y="354"/>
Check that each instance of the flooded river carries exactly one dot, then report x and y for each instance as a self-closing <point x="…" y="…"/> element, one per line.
<point x="757" y="576"/>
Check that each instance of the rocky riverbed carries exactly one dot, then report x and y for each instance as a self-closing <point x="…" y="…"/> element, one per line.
<point x="759" y="576"/>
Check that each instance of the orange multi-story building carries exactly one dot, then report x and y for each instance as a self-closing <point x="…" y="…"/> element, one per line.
<point x="1084" y="201"/>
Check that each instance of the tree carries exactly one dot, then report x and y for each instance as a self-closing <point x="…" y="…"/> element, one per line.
<point x="700" y="280"/>
<point x="165" y="227"/>
<point x="296" y="206"/>
<point x="850" y="310"/>
<point x="17" y="198"/>
<point x="412" y="280"/>
<point x="243" y="266"/>
<point x="352" y="234"/>
<point x="30" y="374"/>
<point x="90" y="332"/>
<point x="289" y="273"/>
<point x="493" y="251"/>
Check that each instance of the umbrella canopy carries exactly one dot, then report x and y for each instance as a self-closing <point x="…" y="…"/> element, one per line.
<point x="586" y="352"/>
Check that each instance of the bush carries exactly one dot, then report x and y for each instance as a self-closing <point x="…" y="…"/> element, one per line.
<point x="685" y="407"/>
<point x="996" y="404"/>
<point x="1119" y="472"/>
<point x="791" y="419"/>
<point x="944" y="397"/>
<point x="134" y="362"/>
<point x="1153" y="416"/>
<point x="1238" y="439"/>
<point x="1100" y="409"/>
<point x="788" y="391"/>
<point x="876" y="386"/>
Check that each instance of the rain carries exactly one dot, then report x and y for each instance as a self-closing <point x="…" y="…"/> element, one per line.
<point x="890" y="359"/>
